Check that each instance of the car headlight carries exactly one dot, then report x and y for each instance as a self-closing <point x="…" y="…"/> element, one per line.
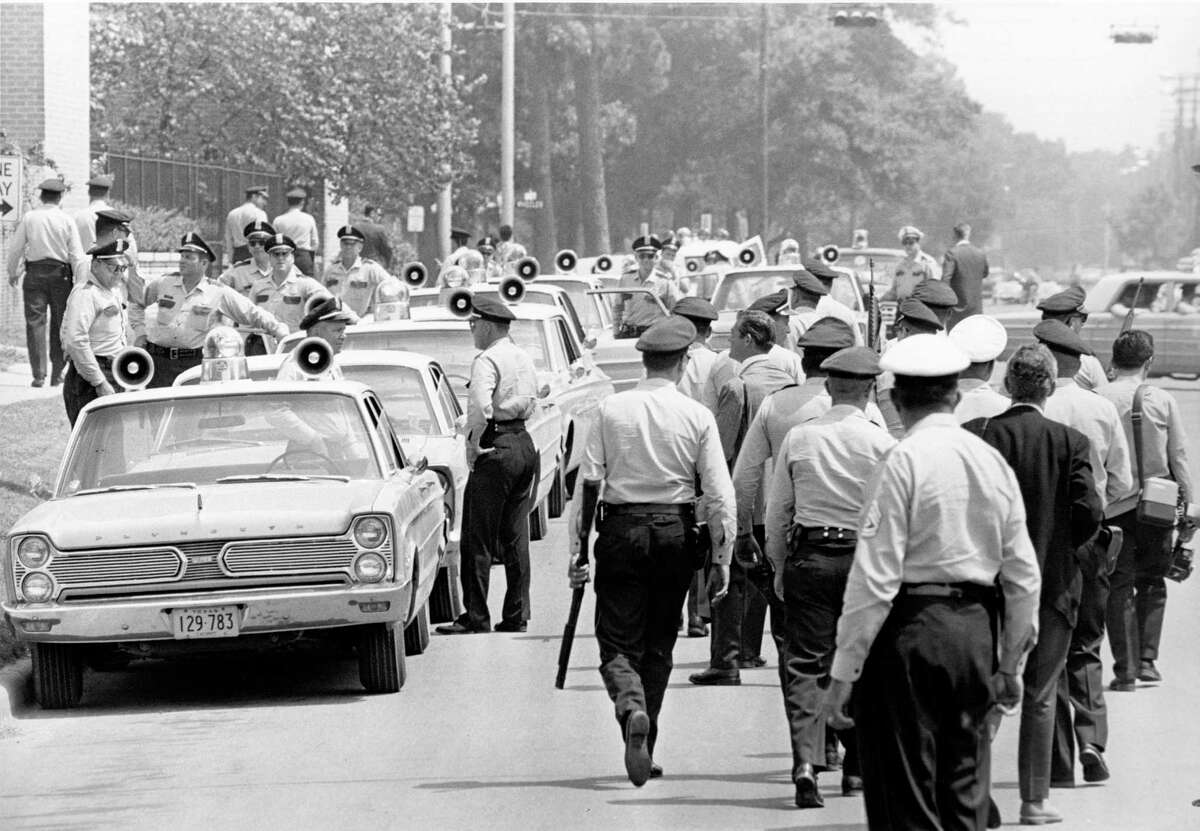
<point x="369" y="568"/>
<point x="37" y="587"/>
<point x="370" y="532"/>
<point x="33" y="552"/>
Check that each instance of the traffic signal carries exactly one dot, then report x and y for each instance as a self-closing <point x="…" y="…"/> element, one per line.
<point x="858" y="15"/>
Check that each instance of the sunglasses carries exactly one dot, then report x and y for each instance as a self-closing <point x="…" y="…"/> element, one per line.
<point x="909" y="241"/>
<point x="117" y="267"/>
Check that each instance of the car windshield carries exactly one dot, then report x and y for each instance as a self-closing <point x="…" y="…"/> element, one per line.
<point x="739" y="290"/>
<point x="884" y="266"/>
<point x="207" y="439"/>
<point x="401" y="390"/>
<point x="587" y="308"/>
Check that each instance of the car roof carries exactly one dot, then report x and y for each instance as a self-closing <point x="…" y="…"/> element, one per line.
<point x="231" y="389"/>
<point x="523" y="311"/>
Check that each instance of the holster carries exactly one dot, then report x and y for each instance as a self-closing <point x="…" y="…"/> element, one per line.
<point x="487" y="438"/>
<point x="698" y="540"/>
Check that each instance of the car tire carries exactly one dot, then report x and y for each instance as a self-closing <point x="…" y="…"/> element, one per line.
<point x="441" y="598"/>
<point x="57" y="675"/>
<point x="556" y="500"/>
<point x="381" y="666"/>
<point x="416" y="634"/>
<point x="539" y="520"/>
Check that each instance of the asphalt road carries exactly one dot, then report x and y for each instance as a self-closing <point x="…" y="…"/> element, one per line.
<point x="480" y="738"/>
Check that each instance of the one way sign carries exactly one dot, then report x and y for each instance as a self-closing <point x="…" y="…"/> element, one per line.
<point x="10" y="188"/>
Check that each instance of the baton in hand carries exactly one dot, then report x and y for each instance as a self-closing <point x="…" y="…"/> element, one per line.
<point x="568" y="637"/>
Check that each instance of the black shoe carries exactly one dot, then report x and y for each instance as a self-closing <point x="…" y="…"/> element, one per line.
<point x="851" y="785"/>
<point x="38" y="382"/>
<point x="696" y="628"/>
<point x="505" y="626"/>
<point x="807" y="794"/>
<point x="1149" y="672"/>
<point x="751" y="663"/>
<point x="655" y="770"/>
<point x="1118" y="685"/>
<point x="993" y="820"/>
<point x="459" y="627"/>
<point x="637" y="755"/>
<point x="714" y="677"/>
<point x="1095" y="769"/>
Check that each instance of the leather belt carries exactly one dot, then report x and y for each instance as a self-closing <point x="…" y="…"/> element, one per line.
<point x="949" y="591"/>
<point x="644" y="508"/>
<point x="827" y="533"/>
<point x="174" y="353"/>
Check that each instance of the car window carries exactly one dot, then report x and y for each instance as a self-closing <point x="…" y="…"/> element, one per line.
<point x="587" y="312"/>
<point x="568" y="342"/>
<point x="402" y="392"/>
<point x="737" y="291"/>
<point x="1145" y="300"/>
<point x="392" y="455"/>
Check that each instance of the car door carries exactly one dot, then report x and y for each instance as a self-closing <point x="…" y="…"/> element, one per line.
<point x="587" y="386"/>
<point x="1178" y="328"/>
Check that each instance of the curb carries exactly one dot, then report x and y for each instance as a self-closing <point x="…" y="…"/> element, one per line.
<point x="15" y="683"/>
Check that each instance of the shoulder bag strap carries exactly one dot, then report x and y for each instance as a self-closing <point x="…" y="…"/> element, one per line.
<point x="1135" y="415"/>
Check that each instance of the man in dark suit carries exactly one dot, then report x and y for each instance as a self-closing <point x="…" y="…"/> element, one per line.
<point x="965" y="267"/>
<point x="1062" y="511"/>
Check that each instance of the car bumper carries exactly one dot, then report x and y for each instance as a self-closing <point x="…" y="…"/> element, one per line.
<point x="262" y="611"/>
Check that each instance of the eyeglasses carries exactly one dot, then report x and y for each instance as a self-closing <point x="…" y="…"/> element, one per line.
<point x="255" y="243"/>
<point x="281" y="254"/>
<point x="117" y="267"/>
<point x="645" y="256"/>
<point x="909" y="241"/>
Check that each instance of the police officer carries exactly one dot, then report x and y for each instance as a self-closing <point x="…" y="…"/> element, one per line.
<point x="942" y="520"/>
<point x="285" y="292"/>
<point x="245" y="273"/>
<point x="93" y="330"/>
<point x="352" y="277"/>
<point x="649" y="450"/>
<point x="327" y="320"/>
<point x="813" y="502"/>
<point x="1067" y="306"/>
<point x="179" y="308"/>
<point x="939" y="297"/>
<point x="241" y="216"/>
<point x="504" y="470"/>
<point x="487" y="249"/>
<point x="666" y="261"/>
<point x="912" y="318"/>
<point x="807" y="292"/>
<point x="98" y="187"/>
<point x="915" y="267"/>
<point x="301" y="226"/>
<point x="982" y="338"/>
<point x="111" y="225"/>
<point x="633" y="313"/>
<point x="458" y="242"/>
<point x="829" y="305"/>
<point x="789" y="252"/>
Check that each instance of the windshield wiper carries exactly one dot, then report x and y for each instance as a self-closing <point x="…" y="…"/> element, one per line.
<point x="117" y="488"/>
<point x="280" y="477"/>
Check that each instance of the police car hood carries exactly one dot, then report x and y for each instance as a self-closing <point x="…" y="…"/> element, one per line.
<point x="242" y="510"/>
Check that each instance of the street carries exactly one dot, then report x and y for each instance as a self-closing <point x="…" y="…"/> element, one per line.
<point x="479" y="737"/>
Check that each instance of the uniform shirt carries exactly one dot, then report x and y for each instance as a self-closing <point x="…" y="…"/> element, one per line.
<point x="649" y="445"/>
<point x="298" y="225"/>
<point x="286" y="300"/>
<point x="290" y="370"/>
<point x="355" y="285"/>
<point x="800" y="321"/>
<point x="241" y="276"/>
<point x="724" y="368"/>
<point x="1164" y="445"/>
<point x="85" y="221"/>
<point x="819" y="476"/>
<point x="237" y="220"/>
<point x="909" y="272"/>
<point x="93" y="325"/>
<point x="640" y="309"/>
<point x="978" y="400"/>
<point x="700" y="364"/>
<point x="46" y="233"/>
<point x="132" y="280"/>
<point x="503" y="387"/>
<point x="1097" y="418"/>
<point x="1091" y="375"/>
<point x="176" y="318"/>
<point x="942" y="507"/>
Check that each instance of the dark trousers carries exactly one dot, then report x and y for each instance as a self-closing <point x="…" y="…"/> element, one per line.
<point x="304" y="261"/>
<point x="1043" y="670"/>
<point x="1137" y="599"/>
<point x="1081" y="687"/>
<point x="45" y="291"/>
<point x="496" y="508"/>
<point x="167" y="369"/>
<point x="736" y="612"/>
<point x="920" y="709"/>
<point x="643" y="568"/>
<point x="813" y="584"/>
<point x="77" y="392"/>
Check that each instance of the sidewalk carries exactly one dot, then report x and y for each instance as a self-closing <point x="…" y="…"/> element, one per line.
<point x="15" y="386"/>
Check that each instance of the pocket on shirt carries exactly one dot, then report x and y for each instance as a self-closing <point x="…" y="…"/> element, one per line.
<point x="198" y="318"/>
<point x="259" y="299"/>
<point x="292" y="299"/>
<point x="166" y="314"/>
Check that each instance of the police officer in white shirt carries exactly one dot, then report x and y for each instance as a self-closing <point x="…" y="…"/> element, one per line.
<point x="93" y="330"/>
<point x="983" y="339"/>
<point x="1068" y="307"/>
<point x="301" y="226"/>
<point x="327" y="320"/>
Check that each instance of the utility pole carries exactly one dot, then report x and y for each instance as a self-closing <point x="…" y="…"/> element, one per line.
<point x="507" y="118"/>
<point x="764" y="227"/>
<point x="444" y="205"/>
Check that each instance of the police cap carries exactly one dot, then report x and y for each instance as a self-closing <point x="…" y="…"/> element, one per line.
<point x="805" y="281"/>
<point x="918" y="314"/>
<point x="114" y="217"/>
<point x="491" y="308"/>
<point x="110" y="250"/>
<point x="695" y="308"/>
<point x="820" y="269"/>
<point x="329" y="308"/>
<point x="350" y="232"/>
<point x="827" y="333"/>
<point x="192" y="242"/>
<point x="983" y="338"/>
<point x="647" y="243"/>
<point x="1064" y="302"/>
<point x="53" y="185"/>
<point x="910" y="231"/>
<point x="1059" y="337"/>
<point x="853" y="361"/>
<point x="668" y="334"/>
<point x="669" y="241"/>
<point x="258" y="228"/>
<point x="488" y="242"/>
<point x="279" y="241"/>
<point x="774" y="303"/>
<point x="936" y="294"/>
<point x="102" y="180"/>
<point x="924" y="356"/>
<point x="458" y="233"/>
<point x="296" y="193"/>
<point x="257" y="189"/>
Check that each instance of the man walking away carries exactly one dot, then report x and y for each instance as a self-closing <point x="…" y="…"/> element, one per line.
<point x="965" y="267"/>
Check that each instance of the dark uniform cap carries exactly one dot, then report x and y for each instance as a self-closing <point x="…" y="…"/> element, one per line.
<point x="819" y="269"/>
<point x="258" y="189"/>
<point x="297" y="193"/>
<point x="1068" y="300"/>
<point x="936" y="294"/>
<point x="259" y="227"/>
<point x="278" y="241"/>
<point x="53" y="185"/>
<point x="806" y="281"/>
<point x="486" y="242"/>
<point x="192" y="242"/>
<point x="455" y="233"/>
<point x="350" y="232"/>
<point x="109" y="250"/>
<point x="856" y="361"/>
<point x="491" y="308"/>
<point x="918" y="313"/>
<point x="329" y="308"/>
<point x="1060" y="337"/>
<point x="647" y="243"/>
<point x="115" y="216"/>
<point x="774" y="303"/>
<point x="103" y="180"/>
<point x="669" y="334"/>
<point x="827" y="333"/>
<point x="695" y="307"/>
<point x="670" y="241"/>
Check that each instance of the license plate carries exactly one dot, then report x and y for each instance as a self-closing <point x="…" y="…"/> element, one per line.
<point x="205" y="622"/>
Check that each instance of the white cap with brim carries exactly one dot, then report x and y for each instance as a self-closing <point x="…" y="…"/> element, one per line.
<point x="924" y="356"/>
<point x="983" y="338"/>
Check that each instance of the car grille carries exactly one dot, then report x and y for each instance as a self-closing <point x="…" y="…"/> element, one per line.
<point x="289" y="556"/>
<point x="113" y="567"/>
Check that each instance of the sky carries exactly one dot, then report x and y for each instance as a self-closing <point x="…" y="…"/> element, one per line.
<point x="1051" y="68"/>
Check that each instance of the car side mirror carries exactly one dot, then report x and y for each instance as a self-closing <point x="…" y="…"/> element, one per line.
<point x="544" y="392"/>
<point x="578" y="371"/>
<point x="590" y="343"/>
